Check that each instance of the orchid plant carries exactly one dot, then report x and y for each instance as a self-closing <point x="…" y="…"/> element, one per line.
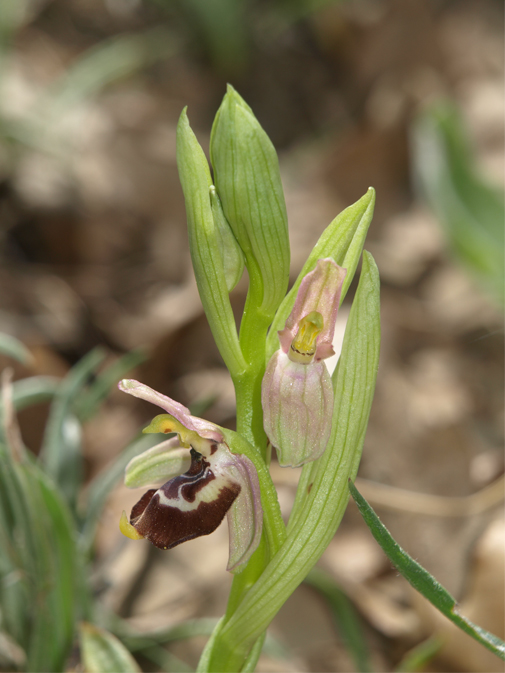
<point x="286" y="397"/>
<point x="286" y="400"/>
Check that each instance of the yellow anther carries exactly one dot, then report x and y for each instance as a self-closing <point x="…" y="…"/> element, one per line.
<point x="127" y="529"/>
<point x="166" y="423"/>
<point x="303" y="346"/>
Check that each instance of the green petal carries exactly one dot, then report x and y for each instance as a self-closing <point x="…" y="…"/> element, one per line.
<point x="157" y="465"/>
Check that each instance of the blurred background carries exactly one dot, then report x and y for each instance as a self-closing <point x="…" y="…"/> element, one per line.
<point x="402" y="95"/>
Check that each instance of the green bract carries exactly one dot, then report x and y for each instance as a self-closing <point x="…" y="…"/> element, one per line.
<point x="231" y="252"/>
<point x="343" y="241"/>
<point x="246" y="173"/>
<point x="206" y="245"/>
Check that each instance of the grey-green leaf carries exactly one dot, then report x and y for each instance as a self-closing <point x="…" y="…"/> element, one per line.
<point x="90" y="400"/>
<point x="345" y="616"/>
<point x="470" y="211"/>
<point x="15" y="349"/>
<point x="37" y="551"/>
<point x="34" y="390"/>
<point x="102" y="652"/>
<point x="60" y="454"/>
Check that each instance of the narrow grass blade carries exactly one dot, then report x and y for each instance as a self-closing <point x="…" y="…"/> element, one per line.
<point x="60" y="454"/>
<point x="421" y="579"/>
<point x="89" y="401"/>
<point x="34" y="390"/>
<point x="165" y="660"/>
<point x="38" y="552"/>
<point x="109" y="61"/>
<point x="345" y="616"/>
<point x="139" y="640"/>
<point x="14" y="349"/>
<point x="56" y="619"/>
<point x="11" y="655"/>
<point x="418" y="658"/>
<point x="470" y="211"/>
<point x="14" y="591"/>
<point x="102" y="652"/>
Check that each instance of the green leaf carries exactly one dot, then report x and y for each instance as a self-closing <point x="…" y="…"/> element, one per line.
<point x="249" y="665"/>
<point x="38" y="552"/>
<point x="60" y="454"/>
<point x="470" y="211"/>
<point x="345" y="616"/>
<point x="102" y="652"/>
<point x="15" y="349"/>
<point x="12" y="656"/>
<point x="247" y="177"/>
<point x="204" y="246"/>
<point x="135" y="640"/>
<point x="90" y="400"/>
<point x="224" y="26"/>
<point x="205" y="658"/>
<point x="421" y="579"/>
<point x="231" y="253"/>
<point x="320" y="507"/>
<point x="343" y="241"/>
<point x="34" y="390"/>
<point x="418" y="658"/>
<point x="110" y="60"/>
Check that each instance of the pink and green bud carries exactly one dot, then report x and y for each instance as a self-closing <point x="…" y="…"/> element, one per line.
<point x="207" y="484"/>
<point x="297" y="393"/>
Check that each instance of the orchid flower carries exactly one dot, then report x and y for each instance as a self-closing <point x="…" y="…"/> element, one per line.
<point x="296" y="393"/>
<point x="203" y="486"/>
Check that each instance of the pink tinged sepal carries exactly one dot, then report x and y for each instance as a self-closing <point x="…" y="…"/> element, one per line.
<point x="179" y="412"/>
<point x="297" y="402"/>
<point x="245" y="516"/>
<point x="319" y="292"/>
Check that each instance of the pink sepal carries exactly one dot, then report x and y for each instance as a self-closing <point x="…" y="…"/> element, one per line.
<point x="297" y="403"/>
<point x="178" y="411"/>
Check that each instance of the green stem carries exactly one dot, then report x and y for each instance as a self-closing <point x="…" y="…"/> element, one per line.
<point x="253" y="331"/>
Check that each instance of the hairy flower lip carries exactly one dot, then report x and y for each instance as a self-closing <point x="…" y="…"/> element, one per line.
<point x="217" y="483"/>
<point x="177" y="512"/>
